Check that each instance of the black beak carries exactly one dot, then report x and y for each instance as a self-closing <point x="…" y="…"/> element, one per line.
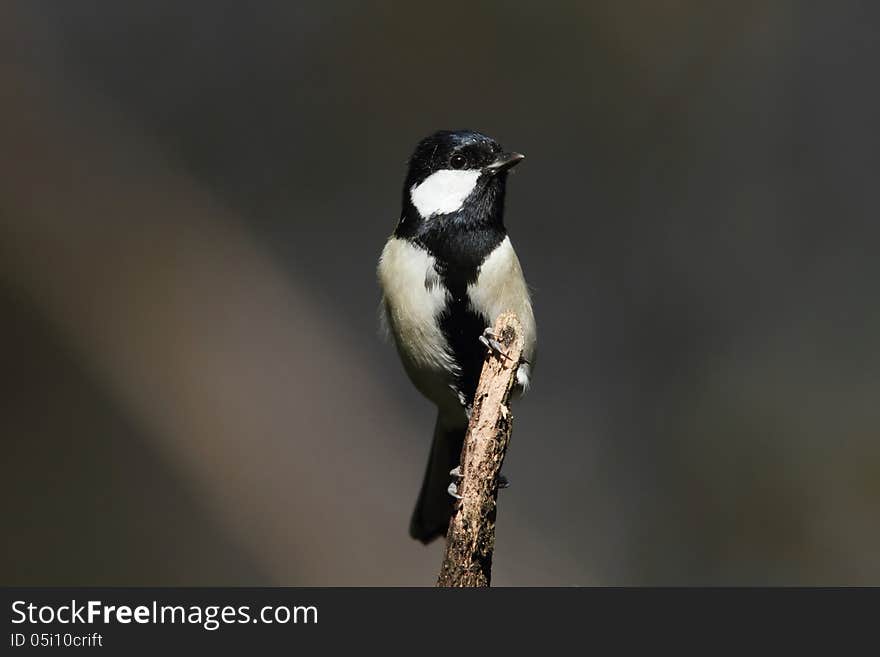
<point x="504" y="162"/>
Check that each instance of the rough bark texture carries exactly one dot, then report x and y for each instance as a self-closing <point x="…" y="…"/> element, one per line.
<point x="470" y="539"/>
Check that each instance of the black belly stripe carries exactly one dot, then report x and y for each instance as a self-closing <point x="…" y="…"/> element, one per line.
<point x="458" y="258"/>
<point x="460" y="243"/>
<point x="462" y="328"/>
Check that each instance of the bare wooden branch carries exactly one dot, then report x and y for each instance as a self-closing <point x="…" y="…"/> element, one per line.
<point x="470" y="540"/>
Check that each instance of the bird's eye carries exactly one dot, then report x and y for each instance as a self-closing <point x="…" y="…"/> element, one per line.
<point x="457" y="161"/>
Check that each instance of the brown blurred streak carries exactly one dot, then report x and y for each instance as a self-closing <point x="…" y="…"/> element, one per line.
<point x="229" y="367"/>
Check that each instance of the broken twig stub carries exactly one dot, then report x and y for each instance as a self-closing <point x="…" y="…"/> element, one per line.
<point x="470" y="540"/>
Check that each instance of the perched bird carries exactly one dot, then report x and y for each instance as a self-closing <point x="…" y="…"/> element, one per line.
<point x="446" y="273"/>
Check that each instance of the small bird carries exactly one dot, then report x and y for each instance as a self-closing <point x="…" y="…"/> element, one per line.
<point x="446" y="273"/>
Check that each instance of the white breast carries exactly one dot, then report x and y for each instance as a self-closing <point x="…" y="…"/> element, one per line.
<point x="443" y="191"/>
<point x="414" y="296"/>
<point x="500" y="287"/>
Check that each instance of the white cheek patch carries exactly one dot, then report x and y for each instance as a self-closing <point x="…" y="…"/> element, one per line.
<point x="443" y="191"/>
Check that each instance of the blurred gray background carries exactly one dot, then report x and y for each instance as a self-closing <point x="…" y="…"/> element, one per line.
<point x="193" y="196"/>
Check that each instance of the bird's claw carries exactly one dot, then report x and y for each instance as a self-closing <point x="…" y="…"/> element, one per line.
<point x="490" y="341"/>
<point x="503" y="482"/>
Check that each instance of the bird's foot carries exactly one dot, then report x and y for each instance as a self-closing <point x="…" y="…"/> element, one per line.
<point x="453" y="490"/>
<point x="456" y="473"/>
<point x="490" y="340"/>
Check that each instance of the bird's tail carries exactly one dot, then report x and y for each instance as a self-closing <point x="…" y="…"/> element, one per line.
<point x="434" y="507"/>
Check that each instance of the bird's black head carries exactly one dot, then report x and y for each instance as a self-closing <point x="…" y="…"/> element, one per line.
<point x="456" y="180"/>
